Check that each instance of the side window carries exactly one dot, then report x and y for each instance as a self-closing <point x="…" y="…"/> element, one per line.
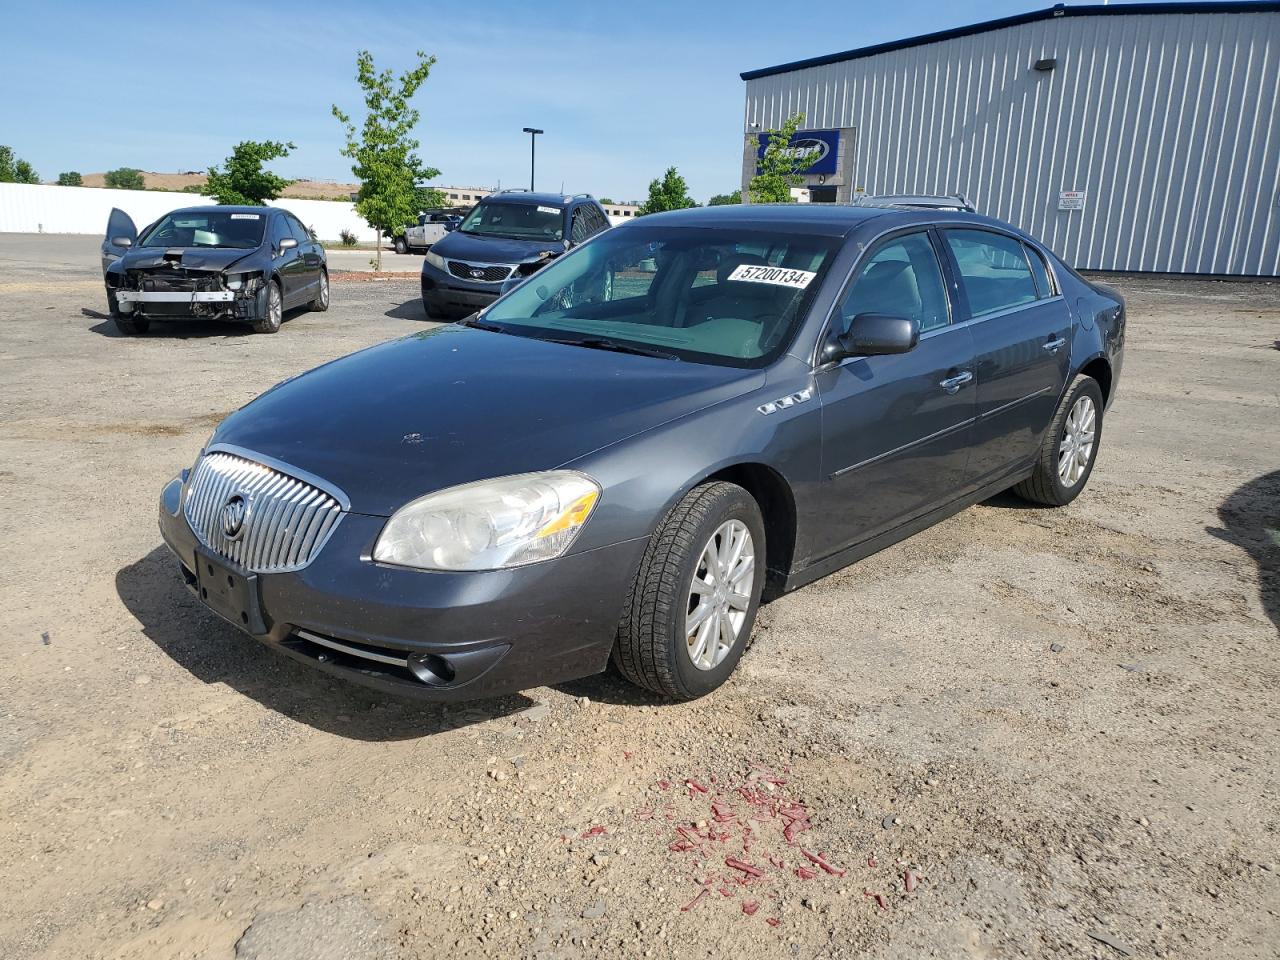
<point x="279" y="229"/>
<point x="993" y="269"/>
<point x="903" y="279"/>
<point x="601" y="221"/>
<point x="302" y="234"/>
<point x="581" y="228"/>
<point x="1044" y="283"/>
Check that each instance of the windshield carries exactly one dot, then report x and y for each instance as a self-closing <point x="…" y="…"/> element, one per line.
<point x="240" y="231"/>
<point x="730" y="297"/>
<point x="518" y="221"/>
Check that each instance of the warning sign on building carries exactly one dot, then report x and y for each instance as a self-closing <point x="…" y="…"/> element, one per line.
<point x="1071" y="200"/>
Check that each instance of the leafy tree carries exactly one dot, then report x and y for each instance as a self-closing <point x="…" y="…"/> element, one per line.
<point x="604" y="200"/>
<point x="70" y="179"/>
<point x="383" y="149"/>
<point x="669" y="193"/>
<point x="244" y="181"/>
<point x="124" y="178"/>
<point x="780" y="166"/>
<point x="724" y="199"/>
<point x="429" y="198"/>
<point x="13" y="170"/>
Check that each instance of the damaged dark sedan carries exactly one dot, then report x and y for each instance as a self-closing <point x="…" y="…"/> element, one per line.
<point x="239" y="264"/>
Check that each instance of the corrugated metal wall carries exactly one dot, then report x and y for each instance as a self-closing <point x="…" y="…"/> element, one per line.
<point x="1169" y="122"/>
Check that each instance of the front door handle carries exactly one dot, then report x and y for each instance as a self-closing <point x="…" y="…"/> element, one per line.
<point x="1053" y="346"/>
<point x="953" y="384"/>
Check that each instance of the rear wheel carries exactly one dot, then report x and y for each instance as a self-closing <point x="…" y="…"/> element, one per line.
<point x="321" y="303"/>
<point x="401" y="245"/>
<point x="1069" y="449"/>
<point x="275" y="310"/>
<point x="689" y="614"/>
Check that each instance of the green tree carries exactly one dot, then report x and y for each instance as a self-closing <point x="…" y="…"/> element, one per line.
<point x="669" y="193"/>
<point x="244" y="182"/>
<point x="124" y="178"/>
<point x="428" y="198"/>
<point x="13" y="170"/>
<point x="780" y="166"/>
<point x="70" y="179"/>
<point x="383" y="148"/>
<point x="724" y="199"/>
<point x="605" y="200"/>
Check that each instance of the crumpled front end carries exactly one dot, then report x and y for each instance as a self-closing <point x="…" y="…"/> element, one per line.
<point x="175" y="291"/>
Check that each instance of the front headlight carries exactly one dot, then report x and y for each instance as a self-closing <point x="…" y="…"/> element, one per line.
<point x="237" y="280"/>
<point x="491" y="524"/>
<point x="435" y="260"/>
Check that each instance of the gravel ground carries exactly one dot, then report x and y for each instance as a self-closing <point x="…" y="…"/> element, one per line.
<point x="1024" y="732"/>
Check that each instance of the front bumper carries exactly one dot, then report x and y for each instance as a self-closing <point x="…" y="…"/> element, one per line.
<point x="433" y="636"/>
<point x="150" y="296"/>
<point x="446" y="293"/>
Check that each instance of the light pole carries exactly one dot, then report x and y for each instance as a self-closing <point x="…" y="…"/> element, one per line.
<point x="533" y="150"/>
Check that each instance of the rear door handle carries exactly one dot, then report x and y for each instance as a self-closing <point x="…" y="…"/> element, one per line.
<point x="1053" y="346"/>
<point x="953" y="384"/>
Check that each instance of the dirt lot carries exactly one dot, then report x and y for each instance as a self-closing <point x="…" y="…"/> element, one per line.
<point x="1061" y="724"/>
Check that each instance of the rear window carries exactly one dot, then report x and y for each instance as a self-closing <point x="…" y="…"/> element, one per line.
<point x="993" y="269"/>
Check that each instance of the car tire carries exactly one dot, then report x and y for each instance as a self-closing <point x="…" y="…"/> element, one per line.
<point x="321" y="303"/>
<point x="1069" y="448"/>
<point x="126" y="324"/>
<point x="274" y="317"/>
<point x="401" y="246"/>
<point x="662" y="645"/>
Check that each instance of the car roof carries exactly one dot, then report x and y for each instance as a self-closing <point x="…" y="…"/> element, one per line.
<point x="229" y="208"/>
<point x="546" y="199"/>
<point x="820" y="219"/>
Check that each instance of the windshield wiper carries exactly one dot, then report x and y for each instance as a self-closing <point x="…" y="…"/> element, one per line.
<point x="599" y="343"/>
<point x="480" y="324"/>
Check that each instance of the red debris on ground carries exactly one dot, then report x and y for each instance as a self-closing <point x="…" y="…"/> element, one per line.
<point x="772" y="921"/>
<point x="872" y="861"/>
<point x="664" y="784"/>
<point x="804" y="873"/>
<point x="627" y="754"/>
<point x="749" y="907"/>
<point x="879" y="898"/>
<point x="644" y="813"/>
<point x="776" y="861"/>
<point x="821" y="861"/>
<point x="695" y="901"/>
<point x="746" y="868"/>
<point x="595" y="831"/>
<point x="695" y="785"/>
<point x="909" y="880"/>
<point x="721" y="812"/>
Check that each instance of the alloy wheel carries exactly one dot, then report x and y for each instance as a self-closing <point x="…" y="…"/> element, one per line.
<point x="720" y="595"/>
<point x="274" y="306"/>
<point x="1076" y="449"/>
<point x="324" y="289"/>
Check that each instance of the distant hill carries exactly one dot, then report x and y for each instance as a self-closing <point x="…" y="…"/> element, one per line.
<point x="303" y="189"/>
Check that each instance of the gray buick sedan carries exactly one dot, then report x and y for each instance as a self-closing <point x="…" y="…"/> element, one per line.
<point x="617" y="460"/>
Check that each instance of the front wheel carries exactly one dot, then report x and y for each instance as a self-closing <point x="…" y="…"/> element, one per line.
<point x="401" y="245"/>
<point x="1069" y="449"/>
<point x="128" y="324"/>
<point x="270" y="323"/>
<point x="689" y="614"/>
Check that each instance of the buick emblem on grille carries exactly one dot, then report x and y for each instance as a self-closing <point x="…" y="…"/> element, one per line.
<point x="233" y="515"/>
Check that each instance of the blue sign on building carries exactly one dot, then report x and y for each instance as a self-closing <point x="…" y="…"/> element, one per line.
<point x="825" y="143"/>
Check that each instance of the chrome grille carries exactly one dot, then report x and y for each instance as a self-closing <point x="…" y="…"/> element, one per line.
<point x="285" y="522"/>
<point x="488" y="272"/>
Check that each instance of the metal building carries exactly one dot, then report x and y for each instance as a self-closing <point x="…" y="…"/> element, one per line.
<point x="1139" y="137"/>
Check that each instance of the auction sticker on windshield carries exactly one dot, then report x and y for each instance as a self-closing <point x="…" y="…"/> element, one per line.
<point x="781" y="276"/>
<point x="542" y="209"/>
<point x="244" y="216"/>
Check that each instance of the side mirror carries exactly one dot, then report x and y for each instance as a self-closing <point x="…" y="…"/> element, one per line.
<point x="450" y="226"/>
<point x="874" y="334"/>
<point x="121" y="242"/>
<point x="288" y="243"/>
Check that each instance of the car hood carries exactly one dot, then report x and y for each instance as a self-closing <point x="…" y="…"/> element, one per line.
<point x="465" y="246"/>
<point x="192" y="258"/>
<point x="456" y="404"/>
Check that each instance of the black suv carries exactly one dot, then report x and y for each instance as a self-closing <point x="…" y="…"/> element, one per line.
<point x="506" y="235"/>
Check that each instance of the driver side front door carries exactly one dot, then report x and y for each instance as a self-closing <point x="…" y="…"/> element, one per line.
<point x="896" y="429"/>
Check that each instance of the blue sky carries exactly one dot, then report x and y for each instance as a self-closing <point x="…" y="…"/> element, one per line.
<point x="622" y="90"/>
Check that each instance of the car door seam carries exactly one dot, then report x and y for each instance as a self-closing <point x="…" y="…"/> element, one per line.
<point x="906" y="446"/>
<point x="1014" y="403"/>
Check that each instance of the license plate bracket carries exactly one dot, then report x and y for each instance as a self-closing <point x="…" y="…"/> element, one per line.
<point x="229" y="593"/>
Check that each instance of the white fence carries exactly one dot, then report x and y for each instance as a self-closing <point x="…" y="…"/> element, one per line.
<point x="35" y="208"/>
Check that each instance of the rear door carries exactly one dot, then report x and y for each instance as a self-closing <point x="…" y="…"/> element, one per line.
<point x="895" y="429"/>
<point x="1022" y="346"/>
<point x="120" y="226"/>
<point x="311" y="252"/>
